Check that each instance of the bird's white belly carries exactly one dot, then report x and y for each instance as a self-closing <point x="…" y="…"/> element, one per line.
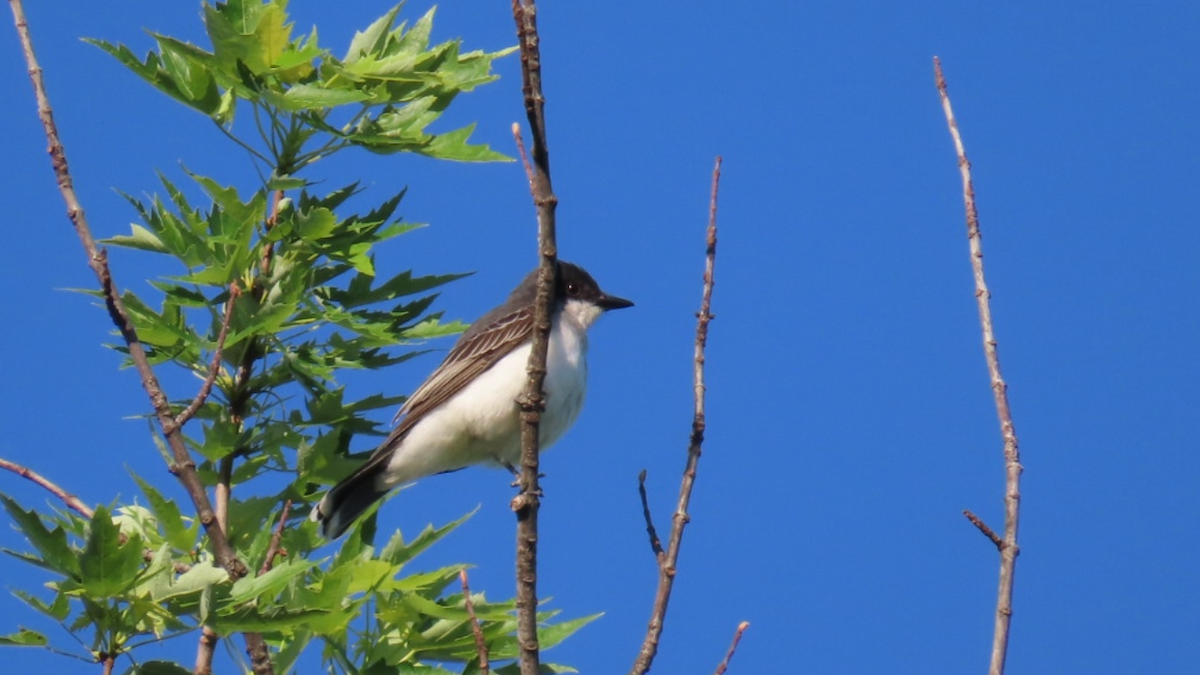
<point x="481" y="424"/>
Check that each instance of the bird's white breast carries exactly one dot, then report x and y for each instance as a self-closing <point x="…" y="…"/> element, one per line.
<point x="481" y="424"/>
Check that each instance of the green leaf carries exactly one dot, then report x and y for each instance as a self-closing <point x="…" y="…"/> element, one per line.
<point x="453" y="145"/>
<point x="317" y="97"/>
<point x="51" y="544"/>
<point x="190" y="70"/>
<point x="107" y="566"/>
<point x="200" y="577"/>
<point x="549" y="636"/>
<point x="157" y="668"/>
<point x="314" y="224"/>
<point x="141" y="238"/>
<point x="397" y="553"/>
<point x="286" y="183"/>
<point x="166" y="512"/>
<point x="57" y="610"/>
<point x="24" y="637"/>
<point x="248" y="620"/>
<point x="372" y="40"/>
<point x="248" y="588"/>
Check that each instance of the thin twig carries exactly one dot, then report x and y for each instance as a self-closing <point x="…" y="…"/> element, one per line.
<point x="983" y="527"/>
<point x="1012" y="456"/>
<point x="667" y="564"/>
<point x="68" y="498"/>
<point x="737" y="637"/>
<point x="655" y="542"/>
<point x="516" y="132"/>
<point x="476" y="629"/>
<point x="532" y="399"/>
<point x="215" y="367"/>
<point x="184" y="466"/>
<point x="273" y="547"/>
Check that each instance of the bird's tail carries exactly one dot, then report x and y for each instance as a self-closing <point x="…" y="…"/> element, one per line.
<point x="346" y="501"/>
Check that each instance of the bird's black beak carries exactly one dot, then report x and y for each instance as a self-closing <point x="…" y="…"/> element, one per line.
<point x="607" y="302"/>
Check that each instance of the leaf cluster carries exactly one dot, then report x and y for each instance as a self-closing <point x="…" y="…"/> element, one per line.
<point x="121" y="576"/>
<point x="307" y="103"/>
<point x="271" y="293"/>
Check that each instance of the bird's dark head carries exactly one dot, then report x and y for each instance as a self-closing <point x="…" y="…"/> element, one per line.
<point x="574" y="288"/>
<point x="574" y="283"/>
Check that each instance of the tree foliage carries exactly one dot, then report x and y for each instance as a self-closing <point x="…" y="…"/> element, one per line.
<point x="286" y="274"/>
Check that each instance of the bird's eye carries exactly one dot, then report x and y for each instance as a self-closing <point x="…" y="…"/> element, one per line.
<point x="572" y="288"/>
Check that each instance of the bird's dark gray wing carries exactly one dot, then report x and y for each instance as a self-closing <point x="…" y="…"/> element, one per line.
<point x="489" y="340"/>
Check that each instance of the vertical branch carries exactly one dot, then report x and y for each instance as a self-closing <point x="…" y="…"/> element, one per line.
<point x="667" y="563"/>
<point x="532" y="400"/>
<point x="183" y="467"/>
<point x="1012" y="457"/>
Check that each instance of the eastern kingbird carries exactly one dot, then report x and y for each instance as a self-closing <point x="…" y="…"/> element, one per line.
<point x="466" y="412"/>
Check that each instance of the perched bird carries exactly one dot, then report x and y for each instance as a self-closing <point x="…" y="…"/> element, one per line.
<point x="466" y="412"/>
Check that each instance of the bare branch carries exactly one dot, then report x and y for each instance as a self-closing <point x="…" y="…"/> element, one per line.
<point x="69" y="499"/>
<point x="1012" y="457"/>
<point x="667" y="564"/>
<point x="655" y="542"/>
<point x="480" y="645"/>
<point x="737" y="637"/>
<point x="183" y="467"/>
<point x="187" y="414"/>
<point x="532" y="399"/>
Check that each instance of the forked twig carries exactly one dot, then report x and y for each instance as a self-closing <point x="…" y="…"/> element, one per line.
<point x="667" y="563"/>
<point x="1012" y="457"/>
<point x="215" y="367"/>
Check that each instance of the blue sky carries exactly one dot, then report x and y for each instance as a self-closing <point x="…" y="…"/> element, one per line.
<point x="850" y="419"/>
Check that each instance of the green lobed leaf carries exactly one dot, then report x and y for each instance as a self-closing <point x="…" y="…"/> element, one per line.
<point x="453" y="145"/>
<point x="141" y="239"/>
<point x="372" y="40"/>
<point x="399" y="553"/>
<point x="248" y="588"/>
<point x="315" y="96"/>
<point x="166" y="512"/>
<point x="57" y="610"/>
<point x="157" y="668"/>
<point x="190" y="70"/>
<point x="56" y="553"/>
<point x="200" y="577"/>
<point x="24" y="637"/>
<point x="107" y="566"/>
<point x="553" y="634"/>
